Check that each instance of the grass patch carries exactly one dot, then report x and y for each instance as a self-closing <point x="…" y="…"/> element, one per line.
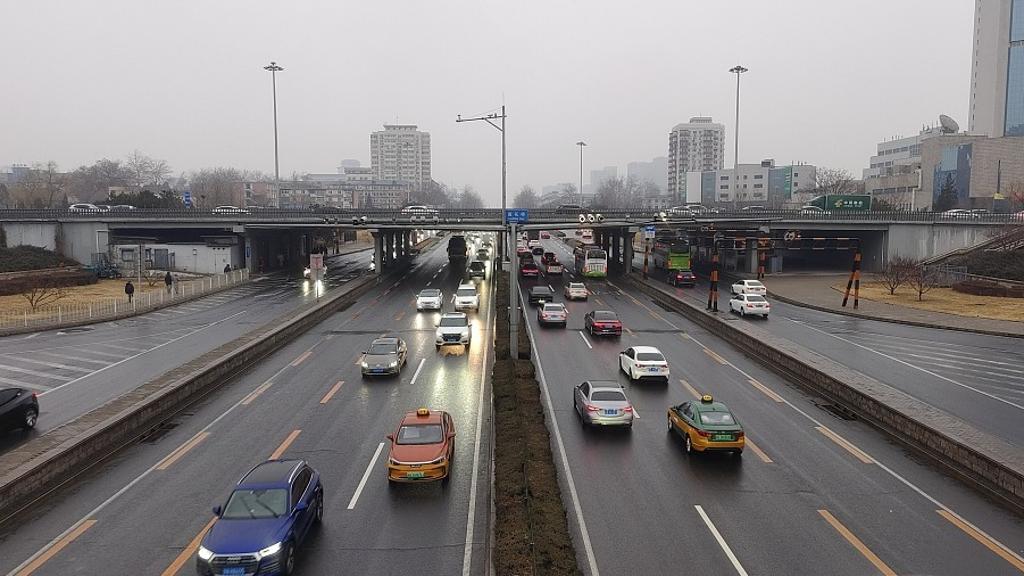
<point x="945" y="300"/>
<point x="531" y="535"/>
<point x="21" y="258"/>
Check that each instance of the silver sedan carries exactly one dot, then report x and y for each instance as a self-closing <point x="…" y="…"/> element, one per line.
<point x="602" y="404"/>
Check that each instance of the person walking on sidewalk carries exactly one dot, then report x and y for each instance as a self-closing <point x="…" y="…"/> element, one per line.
<point x="227" y="268"/>
<point x="129" y="289"/>
<point x="168" y="281"/>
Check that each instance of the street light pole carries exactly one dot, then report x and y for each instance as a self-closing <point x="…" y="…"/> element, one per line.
<point x="581" y="144"/>
<point x="737" y="70"/>
<point x="273" y="68"/>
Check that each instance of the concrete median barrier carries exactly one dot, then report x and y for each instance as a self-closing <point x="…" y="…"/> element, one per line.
<point x="43" y="464"/>
<point x="981" y="459"/>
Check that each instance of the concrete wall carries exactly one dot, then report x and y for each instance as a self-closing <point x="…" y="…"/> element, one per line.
<point x="197" y="258"/>
<point x="79" y="237"/>
<point x="922" y="241"/>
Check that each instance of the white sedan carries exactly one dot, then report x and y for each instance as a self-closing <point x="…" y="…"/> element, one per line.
<point x="643" y="362"/>
<point x="749" y="287"/>
<point x="750" y="304"/>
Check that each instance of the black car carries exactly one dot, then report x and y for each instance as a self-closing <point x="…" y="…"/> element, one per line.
<point x="540" y="294"/>
<point x="538" y="251"/>
<point x="477" y="269"/>
<point x="681" y="278"/>
<point x="19" y="408"/>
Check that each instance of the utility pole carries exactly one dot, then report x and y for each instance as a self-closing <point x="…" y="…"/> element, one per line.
<point x="581" y="144"/>
<point x="274" y="69"/>
<point x="737" y="70"/>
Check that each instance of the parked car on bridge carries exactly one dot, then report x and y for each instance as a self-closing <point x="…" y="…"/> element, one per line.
<point x="811" y="210"/>
<point x="754" y="304"/>
<point x="267" y="517"/>
<point x="229" y="210"/>
<point x="19" y="408"/>
<point x="83" y="207"/>
<point x="602" y="404"/>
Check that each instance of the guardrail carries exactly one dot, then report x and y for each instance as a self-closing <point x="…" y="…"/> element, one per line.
<point x="77" y="314"/>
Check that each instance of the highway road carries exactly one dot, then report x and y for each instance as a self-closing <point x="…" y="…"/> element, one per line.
<point x="977" y="377"/>
<point x="143" y="511"/>
<point x="75" y="370"/>
<point x="818" y="494"/>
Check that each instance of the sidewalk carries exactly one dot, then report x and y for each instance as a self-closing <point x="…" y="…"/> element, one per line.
<point x="816" y="291"/>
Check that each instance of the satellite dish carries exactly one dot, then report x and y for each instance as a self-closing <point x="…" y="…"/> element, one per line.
<point x="949" y="126"/>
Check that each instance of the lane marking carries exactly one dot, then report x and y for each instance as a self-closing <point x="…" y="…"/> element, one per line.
<point x="20" y="384"/>
<point x="628" y="331"/>
<point x="37" y="373"/>
<point x="417" y="373"/>
<point x="467" y="551"/>
<point x="766" y="390"/>
<point x="691" y="389"/>
<point x="985" y="540"/>
<point x="715" y="356"/>
<point x="916" y="367"/>
<point x="55" y="549"/>
<point x="180" y="451"/>
<point x="141" y="353"/>
<point x="76" y="358"/>
<point x="366" y="476"/>
<point x="399" y="316"/>
<point x="97" y="353"/>
<point x="585" y="341"/>
<point x="846" y="444"/>
<point x="757" y="450"/>
<point x="856" y="543"/>
<point x="330" y="393"/>
<point x="118" y="347"/>
<point x="31" y="336"/>
<point x="188" y="552"/>
<point x="721" y="541"/>
<point x="256" y="393"/>
<point x="302" y="358"/>
<point x="284" y="445"/>
<point x="577" y="508"/>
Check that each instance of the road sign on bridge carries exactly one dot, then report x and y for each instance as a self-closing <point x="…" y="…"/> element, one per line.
<point x="517" y="216"/>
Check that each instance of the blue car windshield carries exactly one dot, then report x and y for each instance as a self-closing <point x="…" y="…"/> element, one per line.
<point x="270" y="503"/>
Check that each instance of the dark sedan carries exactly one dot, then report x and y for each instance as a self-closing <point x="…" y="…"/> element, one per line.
<point x="602" y="322"/>
<point x="682" y="278"/>
<point x="384" y="356"/>
<point x="541" y="294"/>
<point x="19" y="408"/>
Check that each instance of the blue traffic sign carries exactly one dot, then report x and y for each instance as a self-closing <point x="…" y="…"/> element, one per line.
<point x="187" y="198"/>
<point x="517" y="216"/>
<point x="649" y="228"/>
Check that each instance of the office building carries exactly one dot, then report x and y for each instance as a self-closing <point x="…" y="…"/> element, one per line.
<point x="997" y="69"/>
<point x="655" y="171"/>
<point x="695" y="146"/>
<point x="763" y="184"/>
<point x="401" y="153"/>
<point x="599" y="177"/>
<point x="978" y="167"/>
<point x="893" y="174"/>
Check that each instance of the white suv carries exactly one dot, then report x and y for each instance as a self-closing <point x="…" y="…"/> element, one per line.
<point x="454" y="328"/>
<point x="466" y="298"/>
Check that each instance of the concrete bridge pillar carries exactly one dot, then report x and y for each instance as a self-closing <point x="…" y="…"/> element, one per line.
<point x="627" y="253"/>
<point x="616" y="255"/>
<point x="378" y="252"/>
<point x="406" y="242"/>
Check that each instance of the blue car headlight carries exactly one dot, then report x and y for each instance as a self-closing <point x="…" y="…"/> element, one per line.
<point x="204" y="553"/>
<point x="269" y="551"/>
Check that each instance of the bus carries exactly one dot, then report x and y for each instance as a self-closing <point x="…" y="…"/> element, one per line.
<point x="671" y="254"/>
<point x="591" y="262"/>
<point x="586" y="236"/>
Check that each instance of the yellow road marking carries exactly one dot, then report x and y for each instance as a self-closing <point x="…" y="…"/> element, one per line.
<point x="56" y="548"/>
<point x="846" y="444"/>
<point x="628" y="331"/>
<point x="284" y="445"/>
<point x="767" y="391"/>
<point x="188" y="552"/>
<point x="330" y="394"/>
<point x="985" y="540"/>
<point x="598" y="301"/>
<point x="690" y="388"/>
<point x="714" y="355"/>
<point x="757" y="450"/>
<point x="856" y="543"/>
<point x="181" y="451"/>
<point x="302" y="357"/>
<point x="255" y="393"/>
<point x="400" y="315"/>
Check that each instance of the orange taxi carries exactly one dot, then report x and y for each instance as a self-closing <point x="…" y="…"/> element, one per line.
<point x="423" y="447"/>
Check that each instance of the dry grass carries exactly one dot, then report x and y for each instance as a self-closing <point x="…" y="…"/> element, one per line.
<point x="945" y="300"/>
<point x="101" y="291"/>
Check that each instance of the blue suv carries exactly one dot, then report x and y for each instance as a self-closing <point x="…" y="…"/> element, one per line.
<point x="267" y="516"/>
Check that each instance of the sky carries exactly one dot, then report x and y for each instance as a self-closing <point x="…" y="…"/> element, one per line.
<point x="184" y="81"/>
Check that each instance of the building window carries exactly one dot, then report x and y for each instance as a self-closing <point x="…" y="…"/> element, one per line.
<point x="723" y="178"/>
<point x="758" y="185"/>
<point x="724" y="187"/>
<point x="758" y="177"/>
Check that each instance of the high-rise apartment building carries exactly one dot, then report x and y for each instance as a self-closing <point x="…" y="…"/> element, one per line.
<point x="695" y="146"/>
<point x="654" y="171"/>
<point x="997" y="69"/>
<point x="400" y="152"/>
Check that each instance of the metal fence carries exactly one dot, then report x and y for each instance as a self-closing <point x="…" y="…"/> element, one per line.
<point x="60" y="315"/>
<point x="945" y="275"/>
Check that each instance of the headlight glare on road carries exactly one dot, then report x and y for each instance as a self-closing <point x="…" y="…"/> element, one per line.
<point x="269" y="551"/>
<point x="204" y="554"/>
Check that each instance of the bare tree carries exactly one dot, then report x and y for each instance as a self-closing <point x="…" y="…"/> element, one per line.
<point x="834" y="181"/>
<point x="526" y="198"/>
<point x="42" y="291"/>
<point x="894" y="273"/>
<point x="921" y="278"/>
<point x="216" y="186"/>
<point x="43" y="187"/>
<point x="468" y="198"/>
<point x="1015" y="192"/>
<point x="433" y="194"/>
<point x="143" y="170"/>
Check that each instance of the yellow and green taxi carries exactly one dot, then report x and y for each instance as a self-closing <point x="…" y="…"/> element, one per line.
<point x="423" y="447"/>
<point x="706" y="425"/>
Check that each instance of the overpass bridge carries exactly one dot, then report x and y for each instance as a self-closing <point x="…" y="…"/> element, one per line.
<point x="260" y="234"/>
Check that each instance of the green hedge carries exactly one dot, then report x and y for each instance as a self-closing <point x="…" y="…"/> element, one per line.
<point x="31" y="258"/>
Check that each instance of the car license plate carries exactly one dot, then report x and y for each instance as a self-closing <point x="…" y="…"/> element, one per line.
<point x="378" y="370"/>
<point x="611" y="412"/>
<point x="722" y="437"/>
<point x="414" y="474"/>
<point x="654" y="369"/>
<point x="233" y="570"/>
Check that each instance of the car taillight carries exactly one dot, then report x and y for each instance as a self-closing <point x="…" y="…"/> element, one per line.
<point x="592" y="408"/>
<point x="628" y="408"/>
<point x="35" y="396"/>
<point x="704" y="433"/>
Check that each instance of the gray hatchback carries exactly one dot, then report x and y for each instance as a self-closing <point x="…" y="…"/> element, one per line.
<point x="602" y="404"/>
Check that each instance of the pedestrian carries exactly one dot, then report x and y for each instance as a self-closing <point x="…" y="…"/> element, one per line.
<point x="168" y="281"/>
<point x="227" y="268"/>
<point x="129" y="289"/>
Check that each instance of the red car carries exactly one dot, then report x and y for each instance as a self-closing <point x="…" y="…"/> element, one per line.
<point x="523" y="251"/>
<point x="602" y="322"/>
<point x="529" y="270"/>
<point x="545" y="235"/>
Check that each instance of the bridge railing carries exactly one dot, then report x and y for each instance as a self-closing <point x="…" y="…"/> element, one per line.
<point x="60" y="315"/>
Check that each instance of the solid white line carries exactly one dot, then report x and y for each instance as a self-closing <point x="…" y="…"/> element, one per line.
<point x="914" y="366"/>
<point x="721" y="541"/>
<point x="585" y="341"/>
<point x="467" y="551"/>
<point x="417" y="373"/>
<point x="584" y="534"/>
<point x="143" y="352"/>
<point x="31" y="336"/>
<point x="366" y="476"/>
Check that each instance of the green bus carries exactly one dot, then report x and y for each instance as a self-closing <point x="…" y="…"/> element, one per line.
<point x="671" y="254"/>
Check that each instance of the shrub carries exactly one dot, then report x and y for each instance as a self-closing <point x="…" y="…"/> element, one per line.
<point x="21" y="258"/>
<point x="988" y="288"/>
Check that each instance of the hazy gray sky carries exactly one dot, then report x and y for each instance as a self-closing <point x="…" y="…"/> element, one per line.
<point x="184" y="81"/>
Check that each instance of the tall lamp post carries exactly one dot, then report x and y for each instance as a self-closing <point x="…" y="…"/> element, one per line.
<point x="737" y="70"/>
<point x="581" y="144"/>
<point x="273" y="68"/>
